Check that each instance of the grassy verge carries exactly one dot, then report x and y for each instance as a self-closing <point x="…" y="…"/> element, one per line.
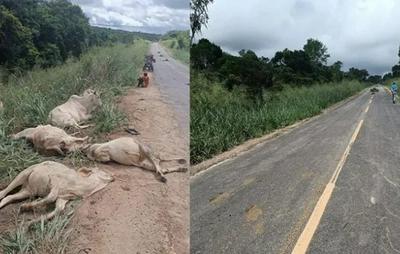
<point x="28" y="99"/>
<point x="178" y="44"/>
<point x="222" y="119"/>
<point x="42" y="238"/>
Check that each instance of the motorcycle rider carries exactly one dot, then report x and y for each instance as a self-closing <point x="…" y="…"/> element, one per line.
<point x="394" y="89"/>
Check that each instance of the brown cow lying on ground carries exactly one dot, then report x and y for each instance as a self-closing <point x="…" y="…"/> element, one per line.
<point x="77" y="109"/>
<point x="48" y="140"/>
<point x="54" y="182"/>
<point x="128" y="151"/>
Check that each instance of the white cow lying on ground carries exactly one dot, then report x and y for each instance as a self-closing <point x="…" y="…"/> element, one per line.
<point x="47" y="139"/>
<point x="54" y="182"/>
<point x="128" y="151"/>
<point x="77" y="109"/>
<point x="1" y="106"/>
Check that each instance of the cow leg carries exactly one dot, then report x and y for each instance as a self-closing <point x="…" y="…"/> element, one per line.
<point x="150" y="157"/>
<point x="19" y="180"/>
<point x="23" y="134"/>
<point x="175" y="169"/>
<point x="60" y="206"/>
<point x="50" y="198"/>
<point x="17" y="196"/>
<point x="58" y="150"/>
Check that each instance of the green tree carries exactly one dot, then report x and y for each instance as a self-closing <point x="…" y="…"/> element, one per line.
<point x="205" y="55"/>
<point x="336" y="72"/>
<point x="359" y="74"/>
<point x="316" y="51"/>
<point x="16" y="45"/>
<point x="198" y="16"/>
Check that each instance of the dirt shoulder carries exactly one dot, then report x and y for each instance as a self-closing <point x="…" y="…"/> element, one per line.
<point x="137" y="213"/>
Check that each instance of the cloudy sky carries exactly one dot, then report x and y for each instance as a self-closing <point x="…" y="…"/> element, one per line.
<point x="360" y="33"/>
<point x="155" y="16"/>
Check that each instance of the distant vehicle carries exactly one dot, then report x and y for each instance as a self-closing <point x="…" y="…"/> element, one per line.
<point x="150" y="58"/>
<point x="148" y="66"/>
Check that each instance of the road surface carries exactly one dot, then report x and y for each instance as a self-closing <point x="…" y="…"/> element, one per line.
<point x="173" y="80"/>
<point x="261" y="201"/>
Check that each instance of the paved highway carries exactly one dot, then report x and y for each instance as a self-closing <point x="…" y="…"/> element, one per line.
<point x="329" y="186"/>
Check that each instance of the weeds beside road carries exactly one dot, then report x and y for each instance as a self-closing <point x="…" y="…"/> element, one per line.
<point x="178" y="44"/>
<point x="222" y="119"/>
<point x="28" y="100"/>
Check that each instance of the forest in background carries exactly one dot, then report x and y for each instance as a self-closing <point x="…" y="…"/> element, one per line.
<point x="236" y="98"/>
<point x="46" y="33"/>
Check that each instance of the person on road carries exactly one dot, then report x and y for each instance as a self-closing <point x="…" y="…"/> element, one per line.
<point x="393" y="89"/>
<point x="146" y="79"/>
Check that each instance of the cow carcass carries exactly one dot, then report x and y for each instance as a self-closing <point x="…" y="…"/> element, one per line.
<point x="76" y="110"/>
<point x="129" y="151"/>
<point x="54" y="182"/>
<point x="48" y="140"/>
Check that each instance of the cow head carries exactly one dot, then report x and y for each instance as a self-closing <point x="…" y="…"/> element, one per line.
<point x="90" y="151"/>
<point x="91" y="99"/>
<point x="73" y="144"/>
<point x="97" y="178"/>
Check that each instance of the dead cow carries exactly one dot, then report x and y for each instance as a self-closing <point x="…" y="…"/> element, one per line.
<point x="77" y="109"/>
<point x="128" y="151"/>
<point x="48" y="140"/>
<point x="54" y="182"/>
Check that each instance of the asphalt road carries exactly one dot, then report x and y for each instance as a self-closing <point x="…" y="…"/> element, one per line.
<point x="261" y="201"/>
<point x="172" y="77"/>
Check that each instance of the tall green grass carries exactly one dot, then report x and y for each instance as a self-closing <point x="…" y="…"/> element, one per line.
<point x="179" y="52"/>
<point x="28" y="100"/>
<point x="42" y="238"/>
<point x="222" y="119"/>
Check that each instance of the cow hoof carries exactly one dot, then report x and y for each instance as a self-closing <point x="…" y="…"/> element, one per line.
<point x="182" y="161"/>
<point x="163" y="179"/>
<point x="183" y="169"/>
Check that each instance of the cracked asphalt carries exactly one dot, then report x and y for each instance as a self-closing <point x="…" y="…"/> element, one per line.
<point x="261" y="201"/>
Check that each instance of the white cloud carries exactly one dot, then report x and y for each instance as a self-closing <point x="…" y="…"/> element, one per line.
<point x="360" y="33"/>
<point x="156" y="16"/>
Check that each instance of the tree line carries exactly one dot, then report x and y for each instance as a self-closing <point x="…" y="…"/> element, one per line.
<point x="297" y="67"/>
<point x="45" y="33"/>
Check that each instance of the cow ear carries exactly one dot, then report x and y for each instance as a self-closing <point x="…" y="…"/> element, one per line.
<point x="85" y="171"/>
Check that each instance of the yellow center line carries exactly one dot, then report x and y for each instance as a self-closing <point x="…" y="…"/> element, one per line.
<point x="306" y="236"/>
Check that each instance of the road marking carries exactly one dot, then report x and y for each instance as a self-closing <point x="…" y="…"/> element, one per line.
<point x="306" y="236"/>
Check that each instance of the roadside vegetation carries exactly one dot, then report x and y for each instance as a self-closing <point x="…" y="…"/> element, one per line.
<point x="222" y="118"/>
<point x="41" y="33"/>
<point x="43" y="238"/>
<point x="236" y="98"/>
<point x="178" y="43"/>
<point x="48" y="52"/>
<point x="29" y="98"/>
